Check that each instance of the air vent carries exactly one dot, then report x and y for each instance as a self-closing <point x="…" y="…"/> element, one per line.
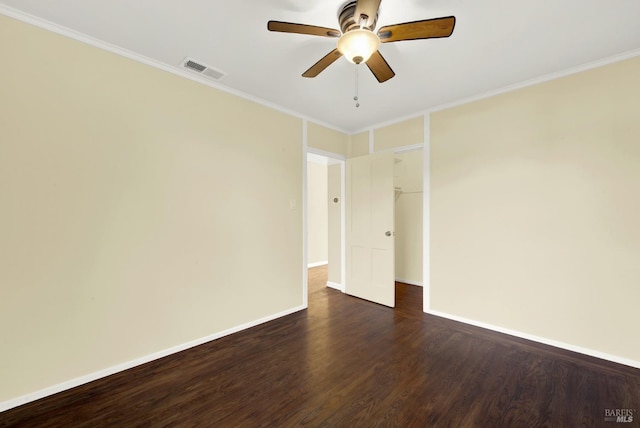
<point x="195" y="66"/>
<point x="200" y="68"/>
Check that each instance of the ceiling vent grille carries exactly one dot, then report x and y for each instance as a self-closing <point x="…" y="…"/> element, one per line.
<point x="200" y="68"/>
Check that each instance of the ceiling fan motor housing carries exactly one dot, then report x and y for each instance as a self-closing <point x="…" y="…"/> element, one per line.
<point x="348" y="21"/>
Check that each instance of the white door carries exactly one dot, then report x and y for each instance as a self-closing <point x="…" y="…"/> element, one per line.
<point x="370" y="257"/>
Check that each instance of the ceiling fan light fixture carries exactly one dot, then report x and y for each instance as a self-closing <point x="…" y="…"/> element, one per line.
<point x="358" y="45"/>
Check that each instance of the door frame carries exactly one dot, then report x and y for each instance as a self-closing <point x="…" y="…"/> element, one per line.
<point x="426" y="177"/>
<point x="342" y="161"/>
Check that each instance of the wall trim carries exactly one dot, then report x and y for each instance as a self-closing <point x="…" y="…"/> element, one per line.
<point x="426" y="213"/>
<point x="335" y="285"/>
<point x="543" y="340"/>
<point x="101" y="44"/>
<point x="410" y="282"/>
<point x="320" y="152"/>
<point x="63" y="386"/>
<point x="409" y="148"/>
<point x="343" y="225"/>
<point x="402" y="149"/>
<point x="305" y="216"/>
<point x="316" y="264"/>
<point x="390" y="122"/>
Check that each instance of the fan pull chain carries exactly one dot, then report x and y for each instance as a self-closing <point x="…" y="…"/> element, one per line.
<point x="355" y="97"/>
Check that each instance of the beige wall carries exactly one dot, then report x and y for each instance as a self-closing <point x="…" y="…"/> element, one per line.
<point x="326" y="139"/>
<point x="139" y="210"/>
<point x="406" y="133"/>
<point x="535" y="201"/>
<point x="317" y="217"/>
<point x="408" y="173"/>
<point x="335" y="224"/>
<point x="359" y="144"/>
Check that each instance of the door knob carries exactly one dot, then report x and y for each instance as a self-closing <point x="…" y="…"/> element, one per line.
<point x="388" y="233"/>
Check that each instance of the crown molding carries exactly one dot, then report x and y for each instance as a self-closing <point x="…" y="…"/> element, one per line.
<point x="540" y="79"/>
<point x="510" y="88"/>
<point x="83" y="38"/>
<point x="175" y="70"/>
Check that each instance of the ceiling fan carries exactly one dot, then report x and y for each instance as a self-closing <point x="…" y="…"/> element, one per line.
<point x="358" y="43"/>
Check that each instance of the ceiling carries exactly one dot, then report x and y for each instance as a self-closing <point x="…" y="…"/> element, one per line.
<point x="495" y="43"/>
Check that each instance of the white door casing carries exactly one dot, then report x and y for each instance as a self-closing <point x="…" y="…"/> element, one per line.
<point x="370" y="259"/>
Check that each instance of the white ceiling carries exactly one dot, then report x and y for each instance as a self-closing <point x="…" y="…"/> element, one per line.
<point x="495" y="43"/>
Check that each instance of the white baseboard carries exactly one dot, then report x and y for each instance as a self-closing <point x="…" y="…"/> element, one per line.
<point x="410" y="282"/>
<point x="316" y="264"/>
<point x="54" y="389"/>
<point x="544" y="340"/>
<point x="335" y="285"/>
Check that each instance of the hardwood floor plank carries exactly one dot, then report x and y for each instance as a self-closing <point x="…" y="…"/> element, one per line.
<point x="348" y="362"/>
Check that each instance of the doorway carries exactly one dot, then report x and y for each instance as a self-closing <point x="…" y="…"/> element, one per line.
<point x="325" y="218"/>
<point x="325" y="222"/>
<point x="409" y="224"/>
<point x="409" y="194"/>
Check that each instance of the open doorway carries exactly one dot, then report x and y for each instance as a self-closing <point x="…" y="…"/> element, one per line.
<point x="326" y="227"/>
<point x="408" y="210"/>
<point x="325" y="222"/>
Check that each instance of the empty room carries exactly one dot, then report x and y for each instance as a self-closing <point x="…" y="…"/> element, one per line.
<point x="475" y="167"/>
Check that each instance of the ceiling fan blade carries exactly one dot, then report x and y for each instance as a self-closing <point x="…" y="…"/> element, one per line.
<point x="379" y="67"/>
<point x="426" y="29"/>
<point x="325" y="62"/>
<point x="289" y="27"/>
<point x="369" y="8"/>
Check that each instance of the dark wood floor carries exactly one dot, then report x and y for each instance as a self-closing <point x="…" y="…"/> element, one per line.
<point x="346" y="362"/>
